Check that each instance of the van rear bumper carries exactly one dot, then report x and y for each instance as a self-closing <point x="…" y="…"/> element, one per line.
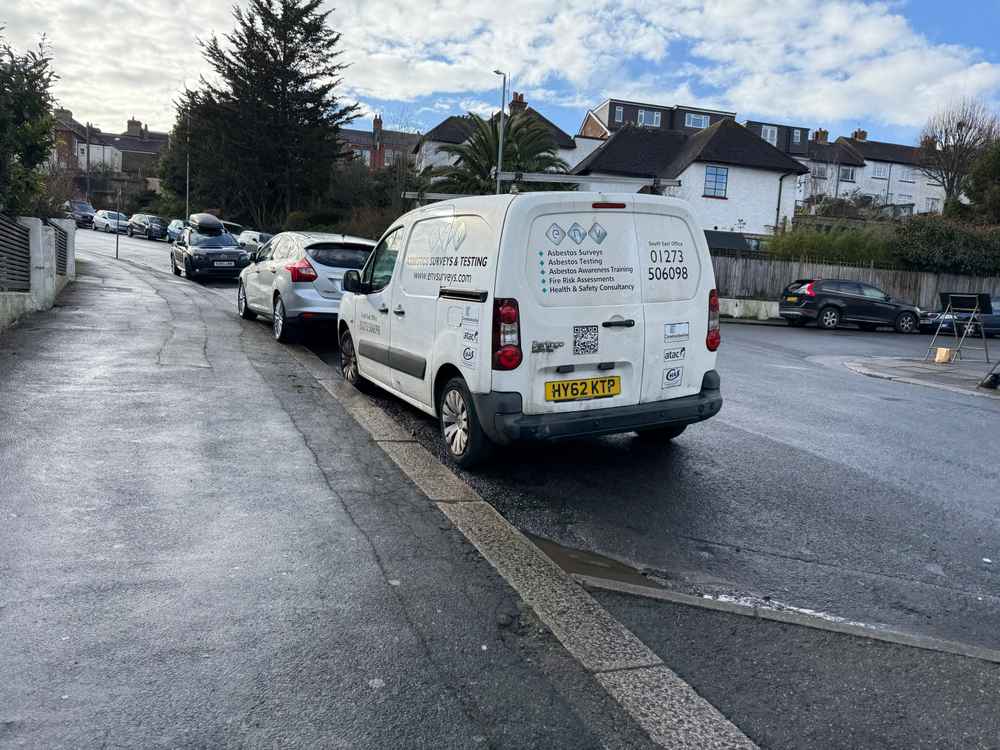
<point x="503" y="421"/>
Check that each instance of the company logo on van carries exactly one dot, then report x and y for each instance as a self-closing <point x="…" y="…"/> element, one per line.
<point x="577" y="233"/>
<point x="469" y="354"/>
<point x="676" y="354"/>
<point x="672" y="377"/>
<point x="555" y="234"/>
<point x="597" y="233"/>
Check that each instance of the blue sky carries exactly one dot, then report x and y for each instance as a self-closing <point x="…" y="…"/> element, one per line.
<point x="840" y="64"/>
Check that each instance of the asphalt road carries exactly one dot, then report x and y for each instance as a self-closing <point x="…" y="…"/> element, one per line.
<point x="815" y="487"/>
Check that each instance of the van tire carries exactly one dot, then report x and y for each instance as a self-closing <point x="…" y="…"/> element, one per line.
<point x="667" y="432"/>
<point x="349" y="369"/>
<point x="464" y="439"/>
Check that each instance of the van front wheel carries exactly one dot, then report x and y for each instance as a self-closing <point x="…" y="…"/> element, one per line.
<point x="464" y="438"/>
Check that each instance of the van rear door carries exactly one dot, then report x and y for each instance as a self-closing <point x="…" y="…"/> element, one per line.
<point x="675" y="300"/>
<point x="581" y="312"/>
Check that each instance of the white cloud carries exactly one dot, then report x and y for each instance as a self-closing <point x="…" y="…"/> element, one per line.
<point x="791" y="59"/>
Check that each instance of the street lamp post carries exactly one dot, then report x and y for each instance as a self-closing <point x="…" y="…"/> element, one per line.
<point x="187" y="169"/>
<point x="503" y="100"/>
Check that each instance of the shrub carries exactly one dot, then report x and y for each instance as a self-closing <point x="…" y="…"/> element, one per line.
<point x="855" y="246"/>
<point x="933" y="243"/>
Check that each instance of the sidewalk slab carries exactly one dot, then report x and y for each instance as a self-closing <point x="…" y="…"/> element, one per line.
<point x="962" y="376"/>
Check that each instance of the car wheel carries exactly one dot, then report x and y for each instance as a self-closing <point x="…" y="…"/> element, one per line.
<point x="829" y="318"/>
<point x="107" y="229"/>
<point x="188" y="270"/>
<point x="349" y="362"/>
<point x="867" y="326"/>
<point x="667" y="432"/>
<point x="283" y="330"/>
<point x="130" y="232"/>
<point x="464" y="438"/>
<point x="906" y="322"/>
<point x="241" y="304"/>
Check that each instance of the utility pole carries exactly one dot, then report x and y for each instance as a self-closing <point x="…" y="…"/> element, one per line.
<point x="88" y="163"/>
<point x="503" y="100"/>
<point x="187" y="176"/>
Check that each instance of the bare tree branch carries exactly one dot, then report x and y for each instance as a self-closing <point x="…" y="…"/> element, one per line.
<point x="953" y="139"/>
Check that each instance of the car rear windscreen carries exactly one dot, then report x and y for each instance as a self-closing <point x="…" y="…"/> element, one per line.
<point x="340" y="254"/>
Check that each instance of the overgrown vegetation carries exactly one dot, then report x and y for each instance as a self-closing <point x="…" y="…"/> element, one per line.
<point x="26" y="128"/>
<point x="923" y="243"/>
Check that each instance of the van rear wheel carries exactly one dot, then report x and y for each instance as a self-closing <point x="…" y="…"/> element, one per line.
<point x="464" y="438"/>
<point x="667" y="432"/>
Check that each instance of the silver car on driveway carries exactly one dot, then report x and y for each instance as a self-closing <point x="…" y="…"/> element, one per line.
<point x="295" y="279"/>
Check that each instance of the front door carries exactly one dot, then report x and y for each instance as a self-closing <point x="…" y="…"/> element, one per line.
<point x="877" y="306"/>
<point x="371" y="308"/>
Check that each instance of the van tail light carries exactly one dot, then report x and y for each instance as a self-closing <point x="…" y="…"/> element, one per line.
<point x="714" y="337"/>
<point x="301" y="270"/>
<point x="506" y="334"/>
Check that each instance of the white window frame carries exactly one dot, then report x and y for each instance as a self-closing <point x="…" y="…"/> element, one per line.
<point x="619" y="113"/>
<point x="933" y="205"/>
<point x="847" y="171"/>
<point x="796" y="136"/>
<point x="820" y="171"/>
<point x="772" y="130"/>
<point x="649" y="118"/>
<point x="907" y="174"/>
<point x="717" y="172"/>
<point x="880" y="171"/>
<point x="904" y="198"/>
<point x="695" y="120"/>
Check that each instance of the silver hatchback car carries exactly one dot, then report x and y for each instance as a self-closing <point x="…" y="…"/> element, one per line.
<point x="296" y="279"/>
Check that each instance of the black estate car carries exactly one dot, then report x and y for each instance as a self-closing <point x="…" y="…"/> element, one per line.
<point x="149" y="226"/>
<point x="204" y="248"/>
<point x="81" y="212"/>
<point x="830" y="302"/>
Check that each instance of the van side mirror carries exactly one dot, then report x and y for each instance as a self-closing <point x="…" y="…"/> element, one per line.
<point x="351" y="282"/>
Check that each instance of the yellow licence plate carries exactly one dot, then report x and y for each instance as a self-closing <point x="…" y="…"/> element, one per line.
<point x="577" y="390"/>
<point x="791" y="299"/>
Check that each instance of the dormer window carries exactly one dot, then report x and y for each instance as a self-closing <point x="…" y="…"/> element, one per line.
<point x="692" y="120"/>
<point x="770" y="134"/>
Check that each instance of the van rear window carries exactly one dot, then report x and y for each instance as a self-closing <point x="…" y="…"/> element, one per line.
<point x="340" y="254"/>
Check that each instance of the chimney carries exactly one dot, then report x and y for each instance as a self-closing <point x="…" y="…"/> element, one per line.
<point x="134" y="127"/>
<point x="377" y="130"/>
<point x="517" y="104"/>
<point x="63" y="114"/>
<point x="860" y="135"/>
<point x="821" y="135"/>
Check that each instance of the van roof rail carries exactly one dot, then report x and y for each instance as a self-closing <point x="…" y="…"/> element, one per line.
<point x="576" y="179"/>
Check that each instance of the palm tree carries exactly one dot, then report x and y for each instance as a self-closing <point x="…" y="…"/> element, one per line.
<point x="527" y="147"/>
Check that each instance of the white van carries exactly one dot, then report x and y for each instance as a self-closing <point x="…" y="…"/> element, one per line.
<point x="539" y="316"/>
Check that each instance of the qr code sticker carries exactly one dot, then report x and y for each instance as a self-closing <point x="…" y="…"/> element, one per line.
<point x="584" y="339"/>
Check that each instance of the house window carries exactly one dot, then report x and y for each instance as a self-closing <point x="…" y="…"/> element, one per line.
<point x="907" y="175"/>
<point x="364" y="155"/>
<point x="904" y="198"/>
<point x="880" y="171"/>
<point x="796" y="136"/>
<point x="390" y="157"/>
<point x="847" y="174"/>
<point x="933" y="205"/>
<point x="649" y="118"/>
<point x="819" y="171"/>
<point x="691" y="120"/>
<point x="716" y="182"/>
<point x="770" y="134"/>
<point x="619" y="113"/>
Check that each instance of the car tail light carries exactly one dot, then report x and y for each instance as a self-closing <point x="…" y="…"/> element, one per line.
<point x="714" y="337"/>
<point x="808" y="290"/>
<point x="301" y="271"/>
<point x="506" y="334"/>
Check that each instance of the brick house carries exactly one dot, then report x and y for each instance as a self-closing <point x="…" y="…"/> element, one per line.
<point x="379" y="148"/>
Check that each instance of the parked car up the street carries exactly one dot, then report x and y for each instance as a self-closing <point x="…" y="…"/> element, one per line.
<point x="830" y="302"/>
<point x="110" y="221"/>
<point x="206" y="249"/>
<point x="81" y="212"/>
<point x="251" y="239"/>
<point x="149" y="226"/>
<point x="297" y="278"/>
<point x="174" y="229"/>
